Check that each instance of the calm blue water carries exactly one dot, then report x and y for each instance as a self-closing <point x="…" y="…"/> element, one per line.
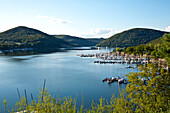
<point x="66" y="75"/>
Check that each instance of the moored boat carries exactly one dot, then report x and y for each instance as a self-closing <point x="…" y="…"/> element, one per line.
<point x="105" y="79"/>
<point x="129" y="66"/>
<point x="121" y="81"/>
<point x="117" y="78"/>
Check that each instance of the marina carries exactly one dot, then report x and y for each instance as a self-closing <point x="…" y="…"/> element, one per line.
<point x="119" y="62"/>
<point x="112" y="58"/>
<point x="117" y="58"/>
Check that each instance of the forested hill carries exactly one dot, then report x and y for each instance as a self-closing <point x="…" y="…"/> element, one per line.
<point x="79" y="42"/>
<point x="132" y="37"/>
<point x="156" y="41"/>
<point x="24" y="37"/>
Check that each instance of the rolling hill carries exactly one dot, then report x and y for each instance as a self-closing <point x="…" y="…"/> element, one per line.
<point x="132" y="37"/>
<point x="80" y="42"/>
<point x="24" y="37"/>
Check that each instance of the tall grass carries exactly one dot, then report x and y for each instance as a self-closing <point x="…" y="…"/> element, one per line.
<point x="48" y="104"/>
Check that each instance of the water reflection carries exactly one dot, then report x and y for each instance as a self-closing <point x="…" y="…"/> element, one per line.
<point x="30" y="52"/>
<point x="21" y="58"/>
<point x="40" y="51"/>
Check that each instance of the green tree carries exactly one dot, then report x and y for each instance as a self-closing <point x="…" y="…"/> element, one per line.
<point x="124" y="49"/>
<point x="164" y="49"/>
<point x="153" y="97"/>
<point x="118" y="49"/>
<point x="129" y="50"/>
<point x="147" y="49"/>
<point x="140" y="49"/>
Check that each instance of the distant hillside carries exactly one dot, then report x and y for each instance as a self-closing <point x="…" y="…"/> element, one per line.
<point x="21" y="37"/>
<point x="96" y="40"/>
<point x="132" y="37"/>
<point x="79" y="42"/>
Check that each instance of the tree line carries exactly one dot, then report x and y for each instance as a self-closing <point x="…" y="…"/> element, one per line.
<point x="159" y="50"/>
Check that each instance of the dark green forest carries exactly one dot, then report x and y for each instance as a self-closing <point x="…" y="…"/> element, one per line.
<point x="80" y="42"/>
<point x="156" y="41"/>
<point x="24" y="37"/>
<point x="132" y="37"/>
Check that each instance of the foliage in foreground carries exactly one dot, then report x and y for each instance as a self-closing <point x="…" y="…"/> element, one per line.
<point x="138" y="97"/>
<point x="154" y="96"/>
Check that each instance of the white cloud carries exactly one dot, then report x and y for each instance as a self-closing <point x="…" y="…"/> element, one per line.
<point x="101" y="31"/>
<point x="60" y="21"/>
<point x="53" y="20"/>
<point x="167" y="28"/>
<point x="98" y="33"/>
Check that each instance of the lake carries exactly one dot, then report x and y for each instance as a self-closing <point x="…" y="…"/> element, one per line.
<point x="66" y="74"/>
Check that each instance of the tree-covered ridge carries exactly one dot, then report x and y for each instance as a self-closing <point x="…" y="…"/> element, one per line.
<point x="156" y="41"/>
<point x="157" y="50"/>
<point x="96" y="40"/>
<point x="79" y="42"/>
<point x="132" y="37"/>
<point x="21" y="37"/>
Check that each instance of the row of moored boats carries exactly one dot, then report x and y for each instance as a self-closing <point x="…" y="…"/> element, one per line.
<point x="113" y="79"/>
<point x="120" y="62"/>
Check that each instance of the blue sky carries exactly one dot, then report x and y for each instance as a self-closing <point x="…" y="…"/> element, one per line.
<point x="85" y="18"/>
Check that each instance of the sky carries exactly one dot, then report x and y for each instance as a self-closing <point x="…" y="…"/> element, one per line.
<point x="85" y="18"/>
